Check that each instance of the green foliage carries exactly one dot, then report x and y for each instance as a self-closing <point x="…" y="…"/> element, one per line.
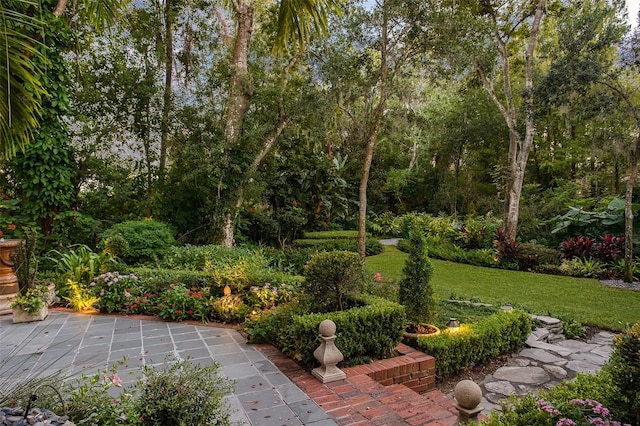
<point x="178" y="392"/>
<point x="178" y="303"/>
<point x="229" y="308"/>
<point x="577" y="219"/>
<point x="572" y="329"/>
<point x="625" y="370"/>
<point x="146" y="240"/>
<point x="79" y="265"/>
<point x="572" y="399"/>
<point x="115" y="292"/>
<point x="182" y="393"/>
<point x="372" y="246"/>
<point x="31" y="300"/>
<point x="332" y="235"/>
<point x="79" y="298"/>
<point x="89" y="401"/>
<point x="385" y="224"/>
<point x="476" y="343"/>
<point x="26" y="263"/>
<point x="330" y="276"/>
<point x="373" y="330"/>
<point x="415" y="291"/>
<point x="197" y="258"/>
<point x="44" y="171"/>
<point x="582" y="267"/>
<point x="270" y="295"/>
<point x="72" y="227"/>
<point x="158" y="279"/>
<point x="532" y="255"/>
<point x="291" y="260"/>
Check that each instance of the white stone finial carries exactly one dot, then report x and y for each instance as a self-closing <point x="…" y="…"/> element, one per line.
<point x="468" y="396"/>
<point x="328" y="355"/>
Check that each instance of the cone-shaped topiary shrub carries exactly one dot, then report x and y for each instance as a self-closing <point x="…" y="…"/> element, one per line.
<point x="415" y="292"/>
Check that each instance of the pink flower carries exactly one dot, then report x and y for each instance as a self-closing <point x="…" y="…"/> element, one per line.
<point x="378" y="277"/>
<point x="116" y="380"/>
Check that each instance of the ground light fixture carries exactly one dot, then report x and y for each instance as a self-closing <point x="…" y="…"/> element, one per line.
<point x="453" y="324"/>
<point x="507" y="308"/>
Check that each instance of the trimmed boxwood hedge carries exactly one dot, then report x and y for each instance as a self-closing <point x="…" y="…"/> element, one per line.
<point x="372" y="246"/>
<point x="476" y="343"/>
<point x="373" y="330"/>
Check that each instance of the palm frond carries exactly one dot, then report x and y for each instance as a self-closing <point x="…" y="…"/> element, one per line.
<point x="301" y="20"/>
<point x="20" y="87"/>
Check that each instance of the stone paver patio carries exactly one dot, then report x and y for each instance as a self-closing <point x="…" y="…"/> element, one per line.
<point x="271" y="389"/>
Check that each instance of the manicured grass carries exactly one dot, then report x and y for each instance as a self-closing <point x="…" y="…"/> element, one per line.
<point x="585" y="300"/>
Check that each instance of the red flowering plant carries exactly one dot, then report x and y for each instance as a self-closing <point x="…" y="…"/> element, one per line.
<point x="179" y="303"/>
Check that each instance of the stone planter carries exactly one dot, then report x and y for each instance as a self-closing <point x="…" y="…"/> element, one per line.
<point x="8" y="279"/>
<point x="19" y="315"/>
<point x="413" y="331"/>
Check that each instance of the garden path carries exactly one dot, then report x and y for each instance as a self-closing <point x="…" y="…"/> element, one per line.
<point x="545" y="362"/>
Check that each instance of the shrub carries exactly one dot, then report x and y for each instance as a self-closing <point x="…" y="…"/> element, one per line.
<point x="229" y="308"/>
<point x="579" y="400"/>
<point x="115" y="292"/>
<point x="373" y="330"/>
<point x="609" y="249"/>
<point x="198" y="258"/>
<point x="414" y="291"/>
<point x="479" y="257"/>
<point x="332" y="235"/>
<point x="179" y="303"/>
<point x="508" y="251"/>
<point x="476" y="343"/>
<point x="372" y="246"/>
<point x="581" y="267"/>
<point x="157" y="280"/>
<point x="576" y="247"/>
<point x="80" y="265"/>
<point x="182" y="393"/>
<point x="145" y="240"/>
<point x="330" y="276"/>
<point x="269" y="296"/>
<point x="531" y="255"/>
<point x="625" y="370"/>
<point x="89" y="401"/>
<point x="291" y="260"/>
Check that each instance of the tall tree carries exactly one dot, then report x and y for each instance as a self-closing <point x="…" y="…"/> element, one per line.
<point x="491" y="37"/>
<point x="298" y="20"/>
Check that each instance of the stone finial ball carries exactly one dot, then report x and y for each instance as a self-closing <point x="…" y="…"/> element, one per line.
<point x="468" y="394"/>
<point x="327" y="328"/>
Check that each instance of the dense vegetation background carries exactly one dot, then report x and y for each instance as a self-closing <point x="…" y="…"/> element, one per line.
<point x="520" y="111"/>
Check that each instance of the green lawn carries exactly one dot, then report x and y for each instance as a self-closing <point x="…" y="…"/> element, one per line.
<point x="584" y="300"/>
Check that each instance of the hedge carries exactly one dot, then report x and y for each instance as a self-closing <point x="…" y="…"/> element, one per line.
<point x="372" y="246"/>
<point x="373" y="330"/>
<point x="476" y="343"/>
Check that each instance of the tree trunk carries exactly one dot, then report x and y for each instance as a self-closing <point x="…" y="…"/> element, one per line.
<point x="519" y="147"/>
<point x="238" y="102"/>
<point x="372" y="136"/>
<point x="628" y="211"/>
<point x="239" y="80"/>
<point x="168" y="90"/>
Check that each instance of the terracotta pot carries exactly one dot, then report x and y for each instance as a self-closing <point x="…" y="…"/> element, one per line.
<point x="8" y="279"/>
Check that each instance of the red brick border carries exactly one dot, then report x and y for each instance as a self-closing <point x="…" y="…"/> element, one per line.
<point x="363" y="399"/>
<point x="414" y="369"/>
